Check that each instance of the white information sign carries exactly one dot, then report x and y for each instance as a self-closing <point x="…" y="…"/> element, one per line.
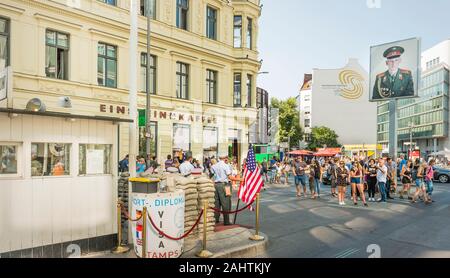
<point x="94" y="162"/>
<point x="167" y="212"/>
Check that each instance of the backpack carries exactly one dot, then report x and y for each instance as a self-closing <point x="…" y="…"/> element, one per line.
<point x="429" y="174"/>
<point x="414" y="172"/>
<point x="331" y="171"/>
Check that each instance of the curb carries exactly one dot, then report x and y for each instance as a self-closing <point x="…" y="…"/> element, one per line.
<point x="251" y="250"/>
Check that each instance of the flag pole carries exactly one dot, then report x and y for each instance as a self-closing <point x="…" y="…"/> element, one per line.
<point x="235" y="214"/>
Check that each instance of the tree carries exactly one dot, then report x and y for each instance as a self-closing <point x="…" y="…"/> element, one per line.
<point x="289" y="121"/>
<point x="323" y="136"/>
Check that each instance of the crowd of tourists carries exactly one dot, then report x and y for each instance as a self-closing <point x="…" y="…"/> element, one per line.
<point x="357" y="179"/>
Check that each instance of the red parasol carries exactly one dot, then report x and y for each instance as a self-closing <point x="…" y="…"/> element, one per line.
<point x="327" y="152"/>
<point x="301" y="152"/>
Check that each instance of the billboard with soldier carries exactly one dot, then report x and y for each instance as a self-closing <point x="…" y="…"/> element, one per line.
<point x="395" y="70"/>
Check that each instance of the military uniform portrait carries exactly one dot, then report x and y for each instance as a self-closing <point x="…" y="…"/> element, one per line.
<point x="398" y="79"/>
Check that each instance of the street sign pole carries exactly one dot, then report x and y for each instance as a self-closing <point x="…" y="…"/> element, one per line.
<point x="393" y="128"/>
<point x="148" y="109"/>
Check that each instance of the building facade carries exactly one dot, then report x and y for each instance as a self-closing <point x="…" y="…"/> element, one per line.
<point x="339" y="99"/>
<point x="203" y="82"/>
<point x="305" y="110"/>
<point x="262" y="122"/>
<point x="423" y="123"/>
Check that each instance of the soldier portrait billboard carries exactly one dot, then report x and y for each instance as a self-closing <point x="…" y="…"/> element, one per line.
<point x="395" y="70"/>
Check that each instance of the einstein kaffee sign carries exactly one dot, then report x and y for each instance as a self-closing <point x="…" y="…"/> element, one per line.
<point x="159" y="114"/>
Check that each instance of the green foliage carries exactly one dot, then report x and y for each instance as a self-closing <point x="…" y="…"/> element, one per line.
<point x="323" y="136"/>
<point x="289" y="120"/>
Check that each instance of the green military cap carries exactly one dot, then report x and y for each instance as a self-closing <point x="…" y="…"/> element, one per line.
<point x="394" y="52"/>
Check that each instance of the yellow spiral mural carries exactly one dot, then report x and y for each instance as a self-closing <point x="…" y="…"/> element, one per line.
<point x="354" y="84"/>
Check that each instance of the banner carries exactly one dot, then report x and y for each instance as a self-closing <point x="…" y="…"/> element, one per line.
<point x="167" y="212"/>
<point x="395" y="70"/>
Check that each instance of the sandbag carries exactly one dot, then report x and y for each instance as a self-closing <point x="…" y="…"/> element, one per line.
<point x="207" y="195"/>
<point x="184" y="181"/>
<point x="203" y="180"/>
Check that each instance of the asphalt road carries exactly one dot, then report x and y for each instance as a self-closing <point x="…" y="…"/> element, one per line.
<point x="305" y="228"/>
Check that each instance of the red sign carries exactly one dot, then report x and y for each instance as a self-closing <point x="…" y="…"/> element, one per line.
<point x="414" y="155"/>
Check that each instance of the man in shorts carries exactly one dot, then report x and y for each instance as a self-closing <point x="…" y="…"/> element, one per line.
<point x="299" y="171"/>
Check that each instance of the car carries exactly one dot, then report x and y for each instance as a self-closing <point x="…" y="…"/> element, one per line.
<point x="441" y="175"/>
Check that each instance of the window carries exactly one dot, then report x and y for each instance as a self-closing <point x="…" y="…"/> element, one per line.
<point x="307" y="123"/>
<point x="308" y="137"/>
<point x="237" y="33"/>
<point x="110" y="2"/>
<point x="56" y="54"/>
<point x="107" y="65"/>
<point x="143" y="8"/>
<point x="8" y="159"/>
<point x="182" y="14"/>
<point x="237" y="90"/>
<point x="211" y="23"/>
<point x="50" y="159"/>
<point x="210" y="142"/>
<point x="249" y="33"/>
<point x="181" y="140"/>
<point x="144" y="73"/>
<point x="211" y="86"/>
<point x="249" y="90"/>
<point x="95" y="159"/>
<point x="182" y="80"/>
<point x="4" y="43"/>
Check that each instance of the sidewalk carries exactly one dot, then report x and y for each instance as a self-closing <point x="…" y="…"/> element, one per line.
<point x="230" y="242"/>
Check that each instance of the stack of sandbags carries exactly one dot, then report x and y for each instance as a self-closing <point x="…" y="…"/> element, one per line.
<point x="206" y="192"/>
<point x="191" y="210"/>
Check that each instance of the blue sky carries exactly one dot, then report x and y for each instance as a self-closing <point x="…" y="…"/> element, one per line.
<point x="298" y="35"/>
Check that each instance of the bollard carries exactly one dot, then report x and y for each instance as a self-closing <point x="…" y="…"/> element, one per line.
<point x="144" y="232"/>
<point x="120" y="248"/>
<point x="256" y="236"/>
<point x="204" y="253"/>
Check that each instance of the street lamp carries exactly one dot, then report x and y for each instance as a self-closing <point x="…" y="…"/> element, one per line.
<point x="148" y="139"/>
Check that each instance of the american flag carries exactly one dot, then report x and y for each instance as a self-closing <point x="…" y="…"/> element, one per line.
<point x="253" y="181"/>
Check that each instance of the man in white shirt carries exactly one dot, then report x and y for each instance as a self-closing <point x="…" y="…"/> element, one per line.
<point x="382" y="172"/>
<point x="186" y="167"/>
<point x="222" y="175"/>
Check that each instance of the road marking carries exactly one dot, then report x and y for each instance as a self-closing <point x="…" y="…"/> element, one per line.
<point x="346" y="253"/>
<point x="441" y="208"/>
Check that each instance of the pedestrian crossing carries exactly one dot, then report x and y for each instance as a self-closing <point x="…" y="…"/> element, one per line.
<point x="346" y="253"/>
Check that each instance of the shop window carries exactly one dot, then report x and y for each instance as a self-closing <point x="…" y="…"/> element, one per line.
<point x="210" y="142"/>
<point x="8" y="159"/>
<point x="95" y="159"/>
<point x="181" y="141"/>
<point x="50" y="159"/>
